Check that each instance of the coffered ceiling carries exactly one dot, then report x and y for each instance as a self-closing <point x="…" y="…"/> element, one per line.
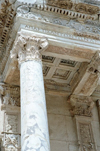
<point x="59" y="70"/>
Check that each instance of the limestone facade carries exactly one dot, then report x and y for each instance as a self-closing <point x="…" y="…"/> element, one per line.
<point x="49" y="75"/>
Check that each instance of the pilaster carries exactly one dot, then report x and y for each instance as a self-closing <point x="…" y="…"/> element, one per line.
<point x="10" y="110"/>
<point x="82" y="113"/>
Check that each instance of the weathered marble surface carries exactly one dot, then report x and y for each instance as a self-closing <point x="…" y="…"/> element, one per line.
<point x="62" y="127"/>
<point x="34" y="124"/>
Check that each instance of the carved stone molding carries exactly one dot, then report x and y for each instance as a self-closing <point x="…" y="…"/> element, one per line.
<point x="11" y="132"/>
<point x="85" y="134"/>
<point x="11" y="123"/>
<point x="93" y="67"/>
<point x="11" y="142"/>
<point x="81" y="106"/>
<point x="61" y="3"/>
<point x="7" y="14"/>
<point x="79" y="7"/>
<point x="86" y="78"/>
<point x="28" y="48"/>
<point x="85" y="8"/>
<point x="79" y="27"/>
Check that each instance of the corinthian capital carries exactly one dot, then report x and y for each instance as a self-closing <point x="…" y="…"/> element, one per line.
<point x="28" y="48"/>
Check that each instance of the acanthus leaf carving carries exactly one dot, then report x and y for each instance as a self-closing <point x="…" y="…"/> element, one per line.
<point x="81" y="106"/>
<point x="28" y="48"/>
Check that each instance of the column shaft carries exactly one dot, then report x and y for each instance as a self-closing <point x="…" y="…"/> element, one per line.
<point x="34" y="124"/>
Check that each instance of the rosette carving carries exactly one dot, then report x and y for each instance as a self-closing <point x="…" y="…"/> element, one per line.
<point x="28" y="48"/>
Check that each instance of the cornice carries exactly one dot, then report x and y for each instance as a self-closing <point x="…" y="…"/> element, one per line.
<point x="78" y="7"/>
<point x="91" y="31"/>
<point x="68" y="13"/>
<point x="7" y="14"/>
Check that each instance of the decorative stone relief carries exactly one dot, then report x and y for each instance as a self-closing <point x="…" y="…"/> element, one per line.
<point x="11" y="123"/>
<point x="81" y="106"/>
<point x="28" y="48"/>
<point x="85" y="8"/>
<point x="68" y="23"/>
<point x="81" y="111"/>
<point x="10" y="95"/>
<point x="79" y="7"/>
<point x="85" y="134"/>
<point x="11" y="142"/>
<point x="67" y="63"/>
<point x="8" y="100"/>
<point x="86" y="78"/>
<point x="61" y="74"/>
<point x="7" y="13"/>
<point x="48" y="58"/>
<point x="93" y="67"/>
<point x="66" y="35"/>
<point x="61" y="3"/>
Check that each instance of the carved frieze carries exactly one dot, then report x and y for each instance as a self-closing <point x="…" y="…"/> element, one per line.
<point x="85" y="8"/>
<point x="66" y="4"/>
<point x="57" y="20"/>
<point x="79" y="7"/>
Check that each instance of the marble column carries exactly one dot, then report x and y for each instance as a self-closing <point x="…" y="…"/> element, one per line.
<point x="34" y="124"/>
